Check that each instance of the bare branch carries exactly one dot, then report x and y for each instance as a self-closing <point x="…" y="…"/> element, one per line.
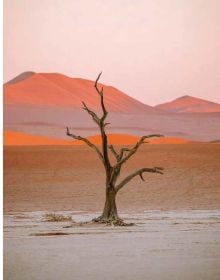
<point x="112" y="149"/>
<point x="100" y="92"/>
<point x="90" y="144"/>
<point x="96" y="82"/>
<point x="102" y="127"/>
<point x="91" y="113"/>
<point x="122" y="152"/>
<point x="138" y="172"/>
<point x="105" y="124"/>
<point x="133" y="150"/>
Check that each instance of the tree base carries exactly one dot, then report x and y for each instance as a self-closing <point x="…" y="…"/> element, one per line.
<point x="100" y="221"/>
<point x="111" y="221"/>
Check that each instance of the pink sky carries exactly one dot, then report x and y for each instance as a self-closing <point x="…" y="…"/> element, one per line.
<point x="153" y="50"/>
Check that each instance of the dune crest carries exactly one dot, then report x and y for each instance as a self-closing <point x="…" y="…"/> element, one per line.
<point x="21" y="77"/>
<point x="189" y="104"/>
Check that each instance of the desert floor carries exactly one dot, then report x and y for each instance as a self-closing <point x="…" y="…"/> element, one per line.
<point x="72" y="178"/>
<point x="177" y="216"/>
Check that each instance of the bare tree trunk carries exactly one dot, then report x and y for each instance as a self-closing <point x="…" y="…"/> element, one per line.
<point x="110" y="210"/>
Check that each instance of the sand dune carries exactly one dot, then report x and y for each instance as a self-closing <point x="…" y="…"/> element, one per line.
<point x="189" y="104"/>
<point x="12" y="138"/>
<point x="116" y="139"/>
<point x="41" y="89"/>
<point x="44" y="104"/>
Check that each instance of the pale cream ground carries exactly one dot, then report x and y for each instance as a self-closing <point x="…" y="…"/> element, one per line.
<point x="182" y="243"/>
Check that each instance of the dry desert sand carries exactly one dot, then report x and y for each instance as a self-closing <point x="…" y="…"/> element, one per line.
<point x="177" y="215"/>
<point x="72" y="178"/>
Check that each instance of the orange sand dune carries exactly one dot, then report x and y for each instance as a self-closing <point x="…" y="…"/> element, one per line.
<point x="12" y="138"/>
<point x="20" y="138"/>
<point x="52" y="89"/>
<point x="190" y="104"/>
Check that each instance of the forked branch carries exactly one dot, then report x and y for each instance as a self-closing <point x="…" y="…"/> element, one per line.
<point x="138" y="172"/>
<point x="116" y="155"/>
<point x="100" y="121"/>
<point x="90" y="144"/>
<point x="132" y="151"/>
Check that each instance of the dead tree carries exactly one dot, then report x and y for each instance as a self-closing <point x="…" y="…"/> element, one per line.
<point x="112" y="171"/>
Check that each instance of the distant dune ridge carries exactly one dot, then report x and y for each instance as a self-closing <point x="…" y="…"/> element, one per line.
<point x="190" y="104"/>
<point x="12" y="138"/>
<point x="43" y="104"/>
<point x="53" y="89"/>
